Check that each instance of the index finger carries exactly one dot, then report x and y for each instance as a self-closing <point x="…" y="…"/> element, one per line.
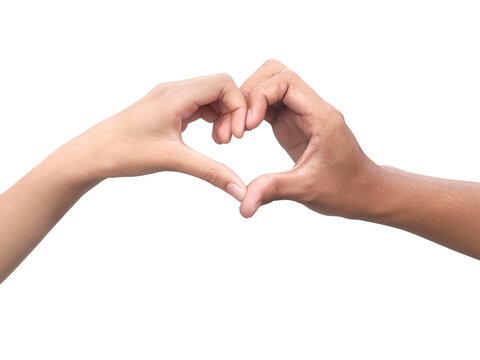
<point x="286" y="87"/>
<point x="222" y="89"/>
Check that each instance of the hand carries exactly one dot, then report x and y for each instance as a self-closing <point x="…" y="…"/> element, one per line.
<point x="142" y="139"/>
<point x="146" y="137"/>
<point x="331" y="175"/>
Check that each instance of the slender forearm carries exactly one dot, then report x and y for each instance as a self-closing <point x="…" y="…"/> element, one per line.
<point x="31" y="207"/>
<point x="144" y="138"/>
<point x="444" y="211"/>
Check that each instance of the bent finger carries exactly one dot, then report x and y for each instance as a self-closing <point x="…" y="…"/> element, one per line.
<point x="196" y="164"/>
<point x="270" y="187"/>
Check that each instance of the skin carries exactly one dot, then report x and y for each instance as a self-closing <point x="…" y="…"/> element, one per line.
<point x="142" y="139"/>
<point x="333" y="176"/>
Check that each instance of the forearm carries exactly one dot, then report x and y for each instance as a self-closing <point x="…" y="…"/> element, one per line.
<point x="444" y="211"/>
<point x="31" y="207"/>
<point x="144" y="138"/>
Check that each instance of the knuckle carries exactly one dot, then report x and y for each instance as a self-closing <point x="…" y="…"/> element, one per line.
<point x="160" y="90"/>
<point x="255" y="97"/>
<point x="290" y="74"/>
<point x="212" y="175"/>
<point x="274" y="192"/>
<point x="225" y="77"/>
<point x="254" y="94"/>
<point x="258" y="100"/>
<point x="338" y="116"/>
<point x="272" y="63"/>
<point x="271" y="192"/>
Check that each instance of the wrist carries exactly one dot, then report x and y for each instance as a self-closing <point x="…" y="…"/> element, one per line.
<point x="379" y="201"/>
<point x="77" y="163"/>
<point x="366" y="196"/>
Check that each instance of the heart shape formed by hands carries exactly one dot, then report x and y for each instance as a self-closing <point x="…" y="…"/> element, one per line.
<point x="331" y="175"/>
<point x="331" y="171"/>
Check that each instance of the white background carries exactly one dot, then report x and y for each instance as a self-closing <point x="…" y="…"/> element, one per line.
<point x="164" y="266"/>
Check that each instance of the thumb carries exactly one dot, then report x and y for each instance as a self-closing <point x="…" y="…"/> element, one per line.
<point x="196" y="164"/>
<point x="267" y="188"/>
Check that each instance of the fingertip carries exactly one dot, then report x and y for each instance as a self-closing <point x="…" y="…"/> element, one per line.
<point x="248" y="120"/>
<point x="239" y="135"/>
<point x="223" y="129"/>
<point x="247" y="209"/>
<point x="243" y="213"/>
<point x="252" y="200"/>
<point x="238" y="129"/>
<point x="238" y="122"/>
<point x="215" y="136"/>
<point x="252" y="120"/>
<point x="227" y="136"/>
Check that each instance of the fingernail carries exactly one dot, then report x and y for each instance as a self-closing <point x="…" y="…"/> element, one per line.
<point x="236" y="191"/>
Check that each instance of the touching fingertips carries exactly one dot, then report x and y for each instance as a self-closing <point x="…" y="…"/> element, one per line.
<point x="226" y="135"/>
<point x="237" y="132"/>
<point x="254" y="208"/>
<point x="252" y="201"/>
<point x="249" y="120"/>
<point x="248" y="209"/>
<point x="224" y="129"/>
<point x="215" y="135"/>
<point x="255" y="115"/>
<point x="238" y="125"/>
<point x="255" y="106"/>
<point x="244" y="211"/>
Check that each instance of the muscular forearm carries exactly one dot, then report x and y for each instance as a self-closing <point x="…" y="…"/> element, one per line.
<point x="31" y="207"/>
<point x="444" y="211"/>
<point x="333" y="176"/>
